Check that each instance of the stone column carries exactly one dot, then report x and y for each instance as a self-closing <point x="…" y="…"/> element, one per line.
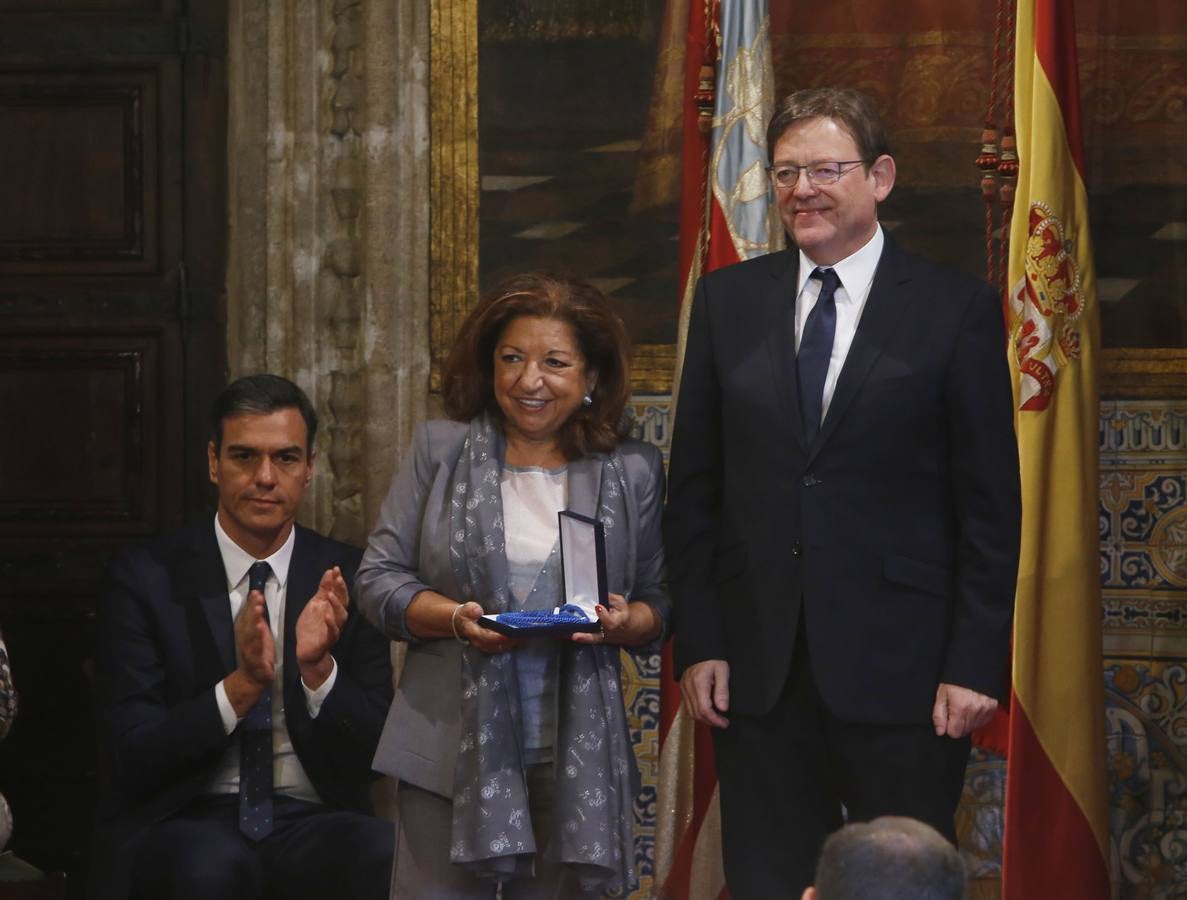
<point x="328" y="276"/>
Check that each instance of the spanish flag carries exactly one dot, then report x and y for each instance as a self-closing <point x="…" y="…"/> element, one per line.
<point x="1056" y="835"/>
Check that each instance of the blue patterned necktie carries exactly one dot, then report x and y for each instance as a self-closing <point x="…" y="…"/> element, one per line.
<point x="255" y="745"/>
<point x="816" y="348"/>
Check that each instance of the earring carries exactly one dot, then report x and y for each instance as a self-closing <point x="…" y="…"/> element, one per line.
<point x="587" y="400"/>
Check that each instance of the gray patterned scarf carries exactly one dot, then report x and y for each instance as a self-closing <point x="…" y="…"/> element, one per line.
<point x="596" y="778"/>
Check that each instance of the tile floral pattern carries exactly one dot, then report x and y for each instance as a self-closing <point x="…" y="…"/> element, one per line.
<point x="1143" y="529"/>
<point x="1146" y="703"/>
<point x="640" y="683"/>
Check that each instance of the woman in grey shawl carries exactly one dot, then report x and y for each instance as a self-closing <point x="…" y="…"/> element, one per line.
<point x="516" y="772"/>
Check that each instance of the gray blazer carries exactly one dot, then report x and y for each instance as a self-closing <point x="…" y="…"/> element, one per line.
<point x="408" y="552"/>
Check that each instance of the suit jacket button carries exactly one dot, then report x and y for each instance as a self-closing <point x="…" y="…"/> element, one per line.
<point x="795" y="549"/>
<point x="809" y="480"/>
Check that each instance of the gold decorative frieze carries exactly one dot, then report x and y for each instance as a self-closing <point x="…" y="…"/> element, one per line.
<point x="1143" y="372"/>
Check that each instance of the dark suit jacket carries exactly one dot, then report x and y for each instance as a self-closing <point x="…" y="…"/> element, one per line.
<point x="893" y="538"/>
<point x="165" y="638"/>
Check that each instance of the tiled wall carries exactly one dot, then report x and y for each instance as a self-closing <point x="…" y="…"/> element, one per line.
<point x="1143" y="554"/>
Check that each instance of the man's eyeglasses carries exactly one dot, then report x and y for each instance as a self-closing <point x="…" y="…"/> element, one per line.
<point x="818" y="172"/>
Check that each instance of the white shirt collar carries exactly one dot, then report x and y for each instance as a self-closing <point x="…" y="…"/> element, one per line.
<point x="856" y="271"/>
<point x="236" y="560"/>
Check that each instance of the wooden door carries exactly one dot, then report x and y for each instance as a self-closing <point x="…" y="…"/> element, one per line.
<point x="112" y="345"/>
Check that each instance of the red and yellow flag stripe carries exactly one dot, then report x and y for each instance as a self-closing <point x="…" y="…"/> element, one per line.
<point x="1056" y="834"/>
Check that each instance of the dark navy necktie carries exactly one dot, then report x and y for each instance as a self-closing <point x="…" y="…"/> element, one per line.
<point x="255" y="745"/>
<point x="816" y="348"/>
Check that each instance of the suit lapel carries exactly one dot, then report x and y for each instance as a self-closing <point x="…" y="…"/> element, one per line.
<point x="883" y="314"/>
<point x="778" y="318"/>
<point x="200" y="581"/>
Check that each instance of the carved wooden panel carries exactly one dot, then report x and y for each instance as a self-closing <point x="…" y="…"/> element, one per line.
<point x="113" y="228"/>
<point x="81" y="6"/>
<point x="90" y="463"/>
<point x="79" y="170"/>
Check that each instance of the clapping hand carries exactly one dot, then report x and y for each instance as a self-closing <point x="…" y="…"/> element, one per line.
<point x="319" y="626"/>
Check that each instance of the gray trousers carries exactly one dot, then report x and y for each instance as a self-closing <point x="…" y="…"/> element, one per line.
<point x="423" y="871"/>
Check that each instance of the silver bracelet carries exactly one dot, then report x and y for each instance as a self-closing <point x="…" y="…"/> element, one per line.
<point x="453" y="624"/>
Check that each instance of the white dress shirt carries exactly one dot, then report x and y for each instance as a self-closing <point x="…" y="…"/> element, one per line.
<point x="856" y="273"/>
<point x="288" y="775"/>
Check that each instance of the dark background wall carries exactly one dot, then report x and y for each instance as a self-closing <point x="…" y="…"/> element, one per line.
<point x="112" y="256"/>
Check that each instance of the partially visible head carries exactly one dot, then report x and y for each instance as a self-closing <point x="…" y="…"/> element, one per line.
<point x="260" y="458"/>
<point x="890" y="858"/>
<point x="539" y="313"/>
<point x="830" y="222"/>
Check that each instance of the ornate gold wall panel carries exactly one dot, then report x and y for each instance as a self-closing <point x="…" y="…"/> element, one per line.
<point x="453" y="186"/>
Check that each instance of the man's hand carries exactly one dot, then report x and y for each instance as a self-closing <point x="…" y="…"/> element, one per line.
<point x="257" y="656"/>
<point x="319" y="626"/>
<point x="960" y="710"/>
<point x="706" y="690"/>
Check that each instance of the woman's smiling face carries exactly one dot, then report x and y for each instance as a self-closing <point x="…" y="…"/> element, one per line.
<point x="540" y="376"/>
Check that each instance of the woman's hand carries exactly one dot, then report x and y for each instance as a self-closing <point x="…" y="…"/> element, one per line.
<point x="434" y="616"/>
<point x="623" y="623"/>
<point x="466" y="628"/>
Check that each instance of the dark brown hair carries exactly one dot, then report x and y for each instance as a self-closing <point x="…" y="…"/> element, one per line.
<point x="849" y="108"/>
<point x="468" y="383"/>
<point x="262" y="395"/>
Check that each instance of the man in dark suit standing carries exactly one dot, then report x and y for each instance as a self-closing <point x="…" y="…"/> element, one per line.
<point x="241" y="699"/>
<point x="843" y="513"/>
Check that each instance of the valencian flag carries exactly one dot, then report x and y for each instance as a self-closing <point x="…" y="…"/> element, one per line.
<point x="726" y="216"/>
<point x="1056" y="838"/>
